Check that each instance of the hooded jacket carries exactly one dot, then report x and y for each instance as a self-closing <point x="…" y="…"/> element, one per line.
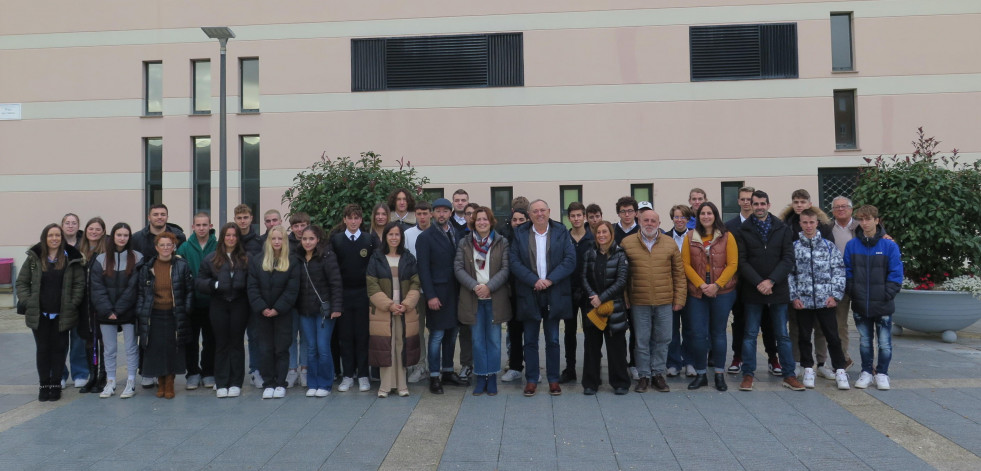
<point x="142" y="241"/>
<point x="114" y="294"/>
<point x="874" y="273"/>
<point x="72" y="288"/>
<point x="819" y="272"/>
<point x="792" y="219"/>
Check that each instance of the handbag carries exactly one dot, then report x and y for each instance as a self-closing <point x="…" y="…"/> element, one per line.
<point x="324" y="307"/>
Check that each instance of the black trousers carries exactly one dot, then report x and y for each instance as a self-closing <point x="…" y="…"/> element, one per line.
<point x="228" y="320"/>
<point x="352" y="333"/>
<point x="516" y="344"/>
<point x="829" y="326"/>
<point x="52" y="346"/>
<point x="616" y="362"/>
<point x="274" y="347"/>
<point x="570" y="340"/>
<point x="739" y="331"/>
<point x="200" y="357"/>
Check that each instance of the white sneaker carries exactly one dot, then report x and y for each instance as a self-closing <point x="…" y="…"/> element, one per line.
<point x="311" y="392"/>
<point x="841" y="377"/>
<point x="465" y="372"/>
<point x="672" y="372"/>
<point x="291" y="378"/>
<point x="864" y="380"/>
<point x="193" y="381"/>
<point x="419" y="373"/>
<point x="809" y="378"/>
<point x="634" y="374"/>
<point x="279" y="393"/>
<point x="826" y="372"/>
<point x="267" y="393"/>
<point x="257" y="379"/>
<point x="364" y="384"/>
<point x="109" y="390"/>
<point x="346" y="384"/>
<point x="234" y="391"/>
<point x="79" y="382"/>
<point x="130" y="389"/>
<point x="62" y="384"/>
<point x="690" y="371"/>
<point x="208" y="382"/>
<point x="221" y="392"/>
<point x="511" y="375"/>
<point x="145" y="382"/>
<point x="323" y="392"/>
<point x="303" y="377"/>
<point x="882" y="382"/>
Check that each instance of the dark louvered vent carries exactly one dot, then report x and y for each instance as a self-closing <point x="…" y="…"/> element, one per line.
<point x="478" y="60"/>
<point x="738" y="52"/>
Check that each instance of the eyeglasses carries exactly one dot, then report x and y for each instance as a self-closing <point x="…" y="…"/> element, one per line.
<point x="626" y="211"/>
<point x="679" y="218"/>
<point x="165" y="246"/>
<point x="841" y="206"/>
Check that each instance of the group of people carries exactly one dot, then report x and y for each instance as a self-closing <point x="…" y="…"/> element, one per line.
<point x="402" y="289"/>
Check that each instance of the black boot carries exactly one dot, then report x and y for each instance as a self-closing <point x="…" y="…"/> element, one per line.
<point x="44" y="391"/>
<point x="453" y="379"/>
<point x="720" y="382"/>
<point x="92" y="383"/>
<point x="54" y="390"/>
<point x="434" y="386"/>
<point x="699" y="381"/>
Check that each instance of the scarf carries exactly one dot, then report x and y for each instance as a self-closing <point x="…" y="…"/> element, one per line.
<point x="480" y="248"/>
<point x="763" y="226"/>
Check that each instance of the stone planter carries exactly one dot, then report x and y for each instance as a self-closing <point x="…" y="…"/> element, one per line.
<point x="935" y="311"/>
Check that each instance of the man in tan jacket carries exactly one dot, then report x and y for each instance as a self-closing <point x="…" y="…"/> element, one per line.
<point x="657" y="287"/>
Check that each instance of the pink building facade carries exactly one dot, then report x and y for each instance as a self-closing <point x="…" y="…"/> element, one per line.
<point x="107" y="106"/>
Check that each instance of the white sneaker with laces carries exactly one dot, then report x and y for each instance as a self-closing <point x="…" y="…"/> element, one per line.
<point x="672" y="372"/>
<point x="346" y="384"/>
<point x="511" y="375"/>
<point x="234" y="391"/>
<point x="146" y="382"/>
<point x="130" y="389"/>
<point x="109" y="390"/>
<point x="809" y="378"/>
<point x="279" y="393"/>
<point x="882" y="382"/>
<point x="257" y="379"/>
<point x="291" y="378"/>
<point x="311" y="392"/>
<point x="634" y="374"/>
<point x="267" y="393"/>
<point x="465" y="372"/>
<point x="864" y="380"/>
<point x="303" y="377"/>
<point x="221" y="392"/>
<point x="364" y="384"/>
<point x="690" y="371"/>
<point x="323" y="392"/>
<point x="79" y="382"/>
<point x="841" y="377"/>
<point x="419" y="373"/>
<point x="826" y="372"/>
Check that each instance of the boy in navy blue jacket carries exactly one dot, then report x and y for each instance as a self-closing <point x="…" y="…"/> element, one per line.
<point x="874" y="276"/>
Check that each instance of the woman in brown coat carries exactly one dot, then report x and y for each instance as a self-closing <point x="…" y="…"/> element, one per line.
<point x="481" y="267"/>
<point x="393" y="322"/>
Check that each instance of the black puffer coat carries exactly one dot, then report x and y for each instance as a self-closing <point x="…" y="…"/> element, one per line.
<point x="182" y="285"/>
<point x="771" y="260"/>
<point x="114" y="294"/>
<point x="229" y="287"/>
<point x="272" y="289"/>
<point x="610" y="287"/>
<point x="325" y="275"/>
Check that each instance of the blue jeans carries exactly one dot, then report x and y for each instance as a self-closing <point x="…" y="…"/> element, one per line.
<point x="532" y="368"/>
<point x="78" y="362"/>
<point x="298" y="343"/>
<point x="868" y="328"/>
<point x="680" y="349"/>
<point x="778" y="318"/>
<point x="708" y="318"/>
<point x="440" y="354"/>
<point x="486" y="341"/>
<point x="320" y="364"/>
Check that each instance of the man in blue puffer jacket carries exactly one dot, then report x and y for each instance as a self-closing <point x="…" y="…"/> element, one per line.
<point x="817" y="284"/>
<point x="874" y="276"/>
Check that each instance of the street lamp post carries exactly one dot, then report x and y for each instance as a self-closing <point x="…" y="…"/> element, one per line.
<point x="222" y="34"/>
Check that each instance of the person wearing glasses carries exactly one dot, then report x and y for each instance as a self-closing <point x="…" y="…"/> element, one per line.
<point x="679" y="352"/>
<point x="627" y="210"/>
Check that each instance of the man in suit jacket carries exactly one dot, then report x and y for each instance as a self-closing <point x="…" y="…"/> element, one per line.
<point x="435" y="251"/>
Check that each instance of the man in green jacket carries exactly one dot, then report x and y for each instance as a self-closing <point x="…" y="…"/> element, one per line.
<point x="194" y="251"/>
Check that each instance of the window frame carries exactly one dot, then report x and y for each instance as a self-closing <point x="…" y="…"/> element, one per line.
<point x="839" y="144"/>
<point x="152" y="184"/>
<point x="200" y="198"/>
<point x="501" y="212"/>
<point x="147" y="85"/>
<point x="770" y="51"/>
<point x="649" y="187"/>
<point x="564" y="202"/>
<point x="851" y="41"/>
<point x="194" y="87"/>
<point x="433" y="193"/>
<point x="724" y="204"/>
<point x="241" y="85"/>
<point x="243" y="188"/>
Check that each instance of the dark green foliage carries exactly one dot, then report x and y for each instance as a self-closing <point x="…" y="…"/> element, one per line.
<point x="327" y="186"/>
<point x="931" y="204"/>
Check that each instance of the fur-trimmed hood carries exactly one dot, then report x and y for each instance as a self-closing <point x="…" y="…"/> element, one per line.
<point x="787" y="214"/>
<point x="72" y="252"/>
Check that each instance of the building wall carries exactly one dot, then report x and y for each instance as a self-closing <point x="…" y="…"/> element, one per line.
<point x="607" y="100"/>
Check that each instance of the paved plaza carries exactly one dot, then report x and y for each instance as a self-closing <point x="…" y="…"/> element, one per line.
<point x="931" y="419"/>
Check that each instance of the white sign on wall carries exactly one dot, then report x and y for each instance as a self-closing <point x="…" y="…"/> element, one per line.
<point x="9" y="111"/>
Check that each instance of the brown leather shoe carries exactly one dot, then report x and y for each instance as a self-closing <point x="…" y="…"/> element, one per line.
<point x="642" y="384"/>
<point x="161" y="385"/>
<point x="747" y="384"/>
<point x="169" y="389"/>
<point x="792" y="383"/>
<point x="659" y="384"/>
<point x="530" y="389"/>
<point x="554" y="389"/>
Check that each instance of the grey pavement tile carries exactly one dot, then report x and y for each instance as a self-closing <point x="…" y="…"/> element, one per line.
<point x="449" y="465"/>
<point x="215" y="466"/>
<point x="13" y="401"/>
<point x="647" y="465"/>
<point x="352" y="464"/>
<point x="536" y="464"/>
<point x="594" y="464"/>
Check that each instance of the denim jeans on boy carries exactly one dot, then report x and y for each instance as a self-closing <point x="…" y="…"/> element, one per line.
<point x="320" y="363"/>
<point x="679" y="350"/>
<point x="868" y="328"/>
<point x="486" y="341"/>
<point x="441" y="346"/>
<point x="708" y="318"/>
<point x="532" y="328"/>
<point x="652" y="326"/>
<point x="778" y="318"/>
<point x="78" y="363"/>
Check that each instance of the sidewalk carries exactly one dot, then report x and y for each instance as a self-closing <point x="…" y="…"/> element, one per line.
<point x="931" y="419"/>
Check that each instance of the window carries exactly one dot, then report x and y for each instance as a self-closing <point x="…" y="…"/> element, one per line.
<point x="201" y="173"/>
<point x="249" y="93"/>
<point x="152" y="171"/>
<point x="642" y="192"/>
<point x="473" y="60"/>
<point x="568" y="194"/>
<point x="432" y="194"/>
<point x="845" y="120"/>
<point x="250" y="172"/>
<point x="835" y="182"/>
<point x="740" y="52"/>
<point x="501" y="197"/>
<point x="201" y="86"/>
<point x="153" y="88"/>
<point x="841" y="41"/>
<point x="730" y="200"/>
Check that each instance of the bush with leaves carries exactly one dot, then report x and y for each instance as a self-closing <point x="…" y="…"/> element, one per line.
<point x="323" y="189"/>
<point x="932" y="203"/>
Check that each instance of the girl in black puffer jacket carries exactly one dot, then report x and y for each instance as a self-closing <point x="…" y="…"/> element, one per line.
<point x="604" y="277"/>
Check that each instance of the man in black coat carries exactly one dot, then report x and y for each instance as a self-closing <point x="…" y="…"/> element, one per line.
<point x="766" y="257"/>
<point x="435" y="251"/>
<point x="142" y="241"/>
